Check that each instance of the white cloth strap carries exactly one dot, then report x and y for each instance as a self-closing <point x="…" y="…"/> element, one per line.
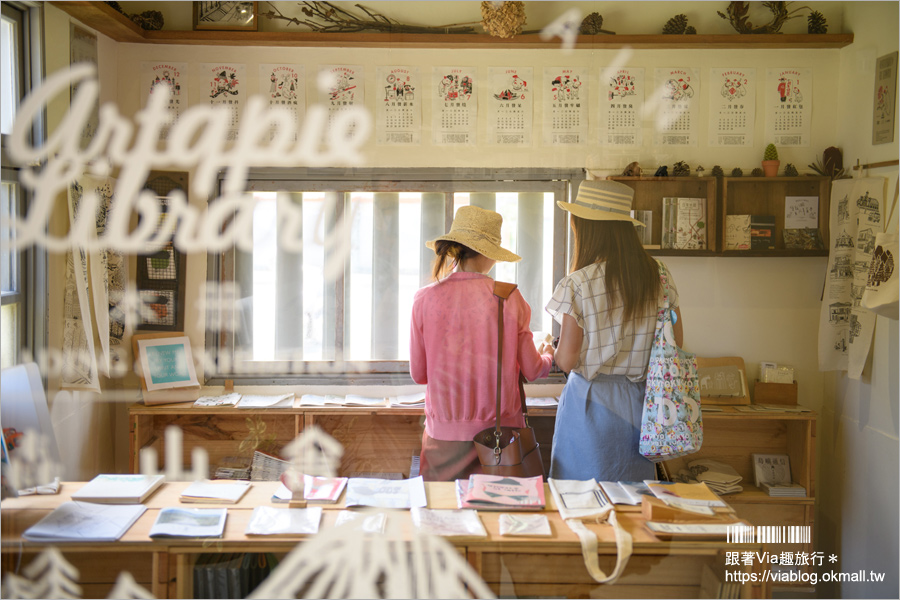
<point x="589" y="548"/>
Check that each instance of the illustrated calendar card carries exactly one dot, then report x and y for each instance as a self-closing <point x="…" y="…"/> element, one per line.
<point x="801" y="212"/>
<point x="398" y="109"/>
<point x="621" y="106"/>
<point x="283" y="85"/>
<point x="677" y="101"/>
<point x="788" y="99"/>
<point x="225" y="86"/>
<point x="454" y="106"/>
<point x="565" y="106"/>
<point x="510" y="106"/>
<point x="732" y="107"/>
<point x="341" y="87"/>
<point x="169" y="78"/>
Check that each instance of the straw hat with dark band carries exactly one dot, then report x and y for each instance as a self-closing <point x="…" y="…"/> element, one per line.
<point x="602" y="200"/>
<point x="478" y="229"/>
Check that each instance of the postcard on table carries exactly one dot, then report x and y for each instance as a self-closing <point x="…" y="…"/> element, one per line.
<point x="269" y="520"/>
<point x="189" y="522"/>
<point x="448" y="522"/>
<point x="266" y="401"/>
<point x="386" y="493"/>
<point x="214" y="492"/>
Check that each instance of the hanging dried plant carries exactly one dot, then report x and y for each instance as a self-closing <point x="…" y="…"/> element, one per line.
<point x="503" y="19"/>
<point x="328" y="18"/>
<point x="738" y="17"/>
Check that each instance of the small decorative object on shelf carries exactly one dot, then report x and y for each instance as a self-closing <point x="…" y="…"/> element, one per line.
<point x="150" y="20"/>
<point x="717" y="171"/>
<point x="757" y="172"/>
<point x="770" y="161"/>
<point x="790" y="170"/>
<point x="816" y="23"/>
<point x="592" y="25"/>
<point x="663" y="171"/>
<point x="681" y="169"/>
<point x="738" y="15"/>
<point x="832" y="164"/>
<point x="737" y="172"/>
<point x="226" y="16"/>
<point x="699" y="170"/>
<point x="503" y="19"/>
<point x="678" y="25"/>
<point x="632" y="170"/>
<point x="326" y="17"/>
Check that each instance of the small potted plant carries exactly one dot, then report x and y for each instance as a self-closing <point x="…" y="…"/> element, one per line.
<point x="770" y="161"/>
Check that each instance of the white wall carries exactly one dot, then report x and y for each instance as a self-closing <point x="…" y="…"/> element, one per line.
<point x="858" y="432"/>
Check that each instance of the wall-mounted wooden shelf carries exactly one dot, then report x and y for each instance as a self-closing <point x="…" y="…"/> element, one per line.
<point x="108" y="21"/>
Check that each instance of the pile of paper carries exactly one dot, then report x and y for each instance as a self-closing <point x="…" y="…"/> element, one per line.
<point x="719" y="477"/>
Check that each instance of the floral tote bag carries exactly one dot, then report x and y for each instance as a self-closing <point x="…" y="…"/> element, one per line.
<point x="671" y="425"/>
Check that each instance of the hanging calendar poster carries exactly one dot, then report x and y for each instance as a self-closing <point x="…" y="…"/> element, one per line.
<point x="225" y="86"/>
<point x="398" y="109"/>
<point x="732" y="107"/>
<point x="510" y="105"/>
<point x="565" y="106"/>
<point x="621" y="106"/>
<point x="454" y="106"/>
<point x="788" y="99"/>
<point x="677" y="106"/>
<point x="168" y="76"/>
<point x="340" y="88"/>
<point x="283" y="85"/>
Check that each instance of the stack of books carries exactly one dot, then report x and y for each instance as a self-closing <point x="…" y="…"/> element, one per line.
<point x="684" y="223"/>
<point x="785" y="490"/>
<point x="234" y="467"/>
<point x="266" y="467"/>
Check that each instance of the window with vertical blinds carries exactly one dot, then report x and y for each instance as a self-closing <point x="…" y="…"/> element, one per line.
<point x="330" y="297"/>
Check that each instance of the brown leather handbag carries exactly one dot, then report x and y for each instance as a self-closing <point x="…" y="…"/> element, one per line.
<point x="509" y="451"/>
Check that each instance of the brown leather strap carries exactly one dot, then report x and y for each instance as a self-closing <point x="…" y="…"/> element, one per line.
<point x="503" y="291"/>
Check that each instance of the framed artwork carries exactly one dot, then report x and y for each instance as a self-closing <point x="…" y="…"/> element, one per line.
<point x="165" y="361"/>
<point x="226" y="16"/>
<point x="160" y="274"/>
<point x="885" y="94"/>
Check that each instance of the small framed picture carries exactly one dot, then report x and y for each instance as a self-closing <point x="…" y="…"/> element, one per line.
<point x="226" y="16"/>
<point x="165" y="361"/>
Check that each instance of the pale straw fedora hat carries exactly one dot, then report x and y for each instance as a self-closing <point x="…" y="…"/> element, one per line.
<point x="602" y="200"/>
<point x="478" y="229"/>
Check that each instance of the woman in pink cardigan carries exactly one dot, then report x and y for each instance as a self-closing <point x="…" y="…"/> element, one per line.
<point x="453" y="346"/>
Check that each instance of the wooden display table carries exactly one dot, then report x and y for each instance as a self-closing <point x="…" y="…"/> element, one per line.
<point x="533" y="566"/>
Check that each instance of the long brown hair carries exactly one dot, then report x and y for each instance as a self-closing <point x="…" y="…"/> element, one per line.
<point x="632" y="275"/>
<point x="449" y="254"/>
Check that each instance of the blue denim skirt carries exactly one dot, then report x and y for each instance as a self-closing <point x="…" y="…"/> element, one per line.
<point x="598" y="425"/>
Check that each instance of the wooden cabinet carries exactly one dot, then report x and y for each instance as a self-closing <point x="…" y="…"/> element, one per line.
<point x="732" y="436"/>
<point x="766" y="196"/>
<point x="649" y="193"/>
<point x="380" y="440"/>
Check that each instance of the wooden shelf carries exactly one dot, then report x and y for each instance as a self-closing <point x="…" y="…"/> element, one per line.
<point x="108" y="21"/>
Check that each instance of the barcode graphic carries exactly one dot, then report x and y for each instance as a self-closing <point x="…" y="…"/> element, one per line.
<point x="769" y="534"/>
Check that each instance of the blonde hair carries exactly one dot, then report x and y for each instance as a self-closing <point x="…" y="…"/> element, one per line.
<point x="632" y="275"/>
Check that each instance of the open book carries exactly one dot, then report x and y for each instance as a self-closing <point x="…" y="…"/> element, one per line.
<point x="625" y="492"/>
